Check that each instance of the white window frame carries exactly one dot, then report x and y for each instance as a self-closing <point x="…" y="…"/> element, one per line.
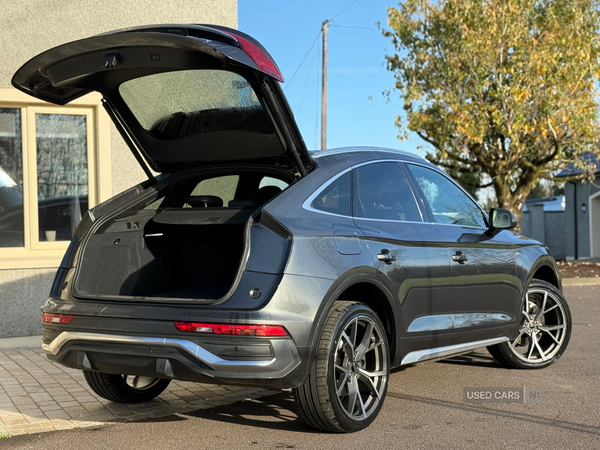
<point x="36" y="254"/>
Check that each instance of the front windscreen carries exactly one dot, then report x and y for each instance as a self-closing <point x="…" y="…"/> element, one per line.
<point x="174" y="104"/>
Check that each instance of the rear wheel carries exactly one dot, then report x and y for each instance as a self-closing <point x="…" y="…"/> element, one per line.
<point x="348" y="380"/>
<point x="125" y="388"/>
<point x="544" y="331"/>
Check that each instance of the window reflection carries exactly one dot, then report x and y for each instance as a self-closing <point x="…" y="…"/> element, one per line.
<point x="11" y="179"/>
<point x="383" y="193"/>
<point x="447" y="202"/>
<point x="62" y="172"/>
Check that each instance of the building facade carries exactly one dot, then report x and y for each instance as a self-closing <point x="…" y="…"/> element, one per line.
<point x="582" y="219"/>
<point x="56" y="162"/>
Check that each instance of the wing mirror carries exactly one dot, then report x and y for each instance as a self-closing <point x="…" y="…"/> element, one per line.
<point x="502" y="219"/>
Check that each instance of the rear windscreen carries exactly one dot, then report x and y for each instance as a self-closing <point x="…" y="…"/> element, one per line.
<point x="175" y="104"/>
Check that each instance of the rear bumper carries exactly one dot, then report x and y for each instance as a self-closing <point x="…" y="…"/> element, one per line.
<point x="259" y="361"/>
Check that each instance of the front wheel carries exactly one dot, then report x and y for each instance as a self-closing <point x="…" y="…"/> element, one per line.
<point x="544" y="331"/>
<point x="125" y="388"/>
<point x="348" y="380"/>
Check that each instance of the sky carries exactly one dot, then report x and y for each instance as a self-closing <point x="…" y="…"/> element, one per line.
<point x="358" y="112"/>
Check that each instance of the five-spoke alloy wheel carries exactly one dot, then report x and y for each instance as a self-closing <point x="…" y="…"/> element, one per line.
<point x="348" y="380"/>
<point x="544" y="330"/>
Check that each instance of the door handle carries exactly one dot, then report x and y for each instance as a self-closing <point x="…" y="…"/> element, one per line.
<point x="385" y="256"/>
<point x="460" y="257"/>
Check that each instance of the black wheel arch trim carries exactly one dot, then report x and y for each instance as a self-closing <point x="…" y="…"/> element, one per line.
<point x="544" y="261"/>
<point x="333" y="294"/>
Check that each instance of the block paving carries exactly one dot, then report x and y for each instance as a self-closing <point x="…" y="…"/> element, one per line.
<point x="37" y="395"/>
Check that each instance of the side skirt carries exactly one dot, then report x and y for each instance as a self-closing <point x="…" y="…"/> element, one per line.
<point x="442" y="352"/>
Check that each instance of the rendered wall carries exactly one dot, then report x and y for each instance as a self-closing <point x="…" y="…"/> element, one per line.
<point x="29" y="27"/>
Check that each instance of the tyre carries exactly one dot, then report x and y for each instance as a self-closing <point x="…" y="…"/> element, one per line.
<point x="544" y="330"/>
<point x="125" y="388"/>
<point x="348" y="379"/>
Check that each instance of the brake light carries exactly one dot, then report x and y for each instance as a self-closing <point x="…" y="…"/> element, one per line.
<point x="228" y="329"/>
<point x="56" y="318"/>
<point x="261" y="59"/>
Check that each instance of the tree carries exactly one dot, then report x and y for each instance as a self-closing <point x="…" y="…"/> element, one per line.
<point x="504" y="90"/>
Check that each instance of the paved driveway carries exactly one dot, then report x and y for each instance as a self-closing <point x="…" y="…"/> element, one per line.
<point x="424" y="409"/>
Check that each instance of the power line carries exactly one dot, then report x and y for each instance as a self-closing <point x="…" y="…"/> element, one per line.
<point x="354" y="27"/>
<point x="344" y="9"/>
<point x="312" y="63"/>
<point x="302" y="62"/>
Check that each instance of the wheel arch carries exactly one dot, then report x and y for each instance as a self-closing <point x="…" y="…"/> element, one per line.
<point x="545" y="269"/>
<point x="382" y="302"/>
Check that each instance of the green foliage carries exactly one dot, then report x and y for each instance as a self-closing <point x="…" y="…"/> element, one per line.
<point x="503" y="89"/>
<point x="5" y="436"/>
<point x="544" y="188"/>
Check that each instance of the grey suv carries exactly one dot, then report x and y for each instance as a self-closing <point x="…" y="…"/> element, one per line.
<point x="250" y="261"/>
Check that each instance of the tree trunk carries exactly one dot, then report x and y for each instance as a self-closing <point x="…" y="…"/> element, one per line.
<point x="513" y="201"/>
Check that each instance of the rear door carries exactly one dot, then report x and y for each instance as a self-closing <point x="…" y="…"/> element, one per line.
<point x="409" y="253"/>
<point x="484" y="281"/>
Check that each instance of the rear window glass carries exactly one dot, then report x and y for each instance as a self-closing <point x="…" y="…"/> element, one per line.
<point x="174" y="104"/>
<point x="382" y="192"/>
<point x="222" y="187"/>
<point x="335" y="198"/>
<point x="269" y="181"/>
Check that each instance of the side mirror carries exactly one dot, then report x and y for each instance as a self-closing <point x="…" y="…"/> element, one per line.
<point x="502" y="219"/>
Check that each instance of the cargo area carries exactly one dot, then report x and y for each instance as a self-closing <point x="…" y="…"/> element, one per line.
<point x="183" y="253"/>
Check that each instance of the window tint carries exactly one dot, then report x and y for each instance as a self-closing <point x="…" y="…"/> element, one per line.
<point x="223" y="187"/>
<point x="448" y="203"/>
<point x="335" y="198"/>
<point x="382" y="192"/>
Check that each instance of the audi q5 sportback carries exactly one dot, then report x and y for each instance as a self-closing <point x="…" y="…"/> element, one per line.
<point x="250" y="261"/>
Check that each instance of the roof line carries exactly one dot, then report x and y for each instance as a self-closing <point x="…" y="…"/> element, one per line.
<point x="337" y="151"/>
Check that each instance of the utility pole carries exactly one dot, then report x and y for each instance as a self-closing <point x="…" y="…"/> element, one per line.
<point x="324" y="94"/>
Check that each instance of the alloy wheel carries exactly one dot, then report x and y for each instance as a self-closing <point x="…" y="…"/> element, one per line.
<point x="543" y="328"/>
<point x="140" y="383"/>
<point x="360" y="367"/>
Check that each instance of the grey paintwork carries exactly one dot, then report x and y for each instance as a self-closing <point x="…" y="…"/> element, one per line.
<point x="324" y="255"/>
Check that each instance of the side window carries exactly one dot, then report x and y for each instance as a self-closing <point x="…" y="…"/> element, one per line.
<point x="448" y="203"/>
<point x="382" y="192"/>
<point x="222" y="187"/>
<point x="270" y="181"/>
<point x="335" y="198"/>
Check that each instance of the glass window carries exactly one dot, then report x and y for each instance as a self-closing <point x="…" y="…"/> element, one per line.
<point x="62" y="174"/>
<point x="335" y="198"/>
<point x="174" y="104"/>
<point x="447" y="201"/>
<point x="222" y="187"/>
<point x="53" y="167"/>
<point x="11" y="179"/>
<point x="270" y="181"/>
<point x="382" y="192"/>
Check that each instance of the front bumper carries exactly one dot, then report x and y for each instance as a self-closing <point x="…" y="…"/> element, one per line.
<point x="254" y="361"/>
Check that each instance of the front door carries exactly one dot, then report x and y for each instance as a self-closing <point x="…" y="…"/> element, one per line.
<point x="484" y="279"/>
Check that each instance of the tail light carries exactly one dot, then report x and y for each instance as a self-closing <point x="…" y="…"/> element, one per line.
<point x="229" y="329"/>
<point x="262" y="60"/>
<point x="56" y="318"/>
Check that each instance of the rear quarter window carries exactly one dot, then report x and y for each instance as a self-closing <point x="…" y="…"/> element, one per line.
<point x="335" y="197"/>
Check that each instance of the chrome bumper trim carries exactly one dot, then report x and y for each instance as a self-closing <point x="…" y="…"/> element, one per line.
<point x="440" y="352"/>
<point x="280" y="348"/>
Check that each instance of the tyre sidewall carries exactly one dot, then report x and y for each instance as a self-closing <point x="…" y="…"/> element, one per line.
<point x="505" y="347"/>
<point x="347" y="423"/>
